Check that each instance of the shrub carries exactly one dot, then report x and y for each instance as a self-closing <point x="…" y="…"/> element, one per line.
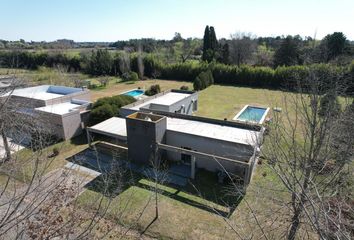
<point x="130" y="76"/>
<point x="203" y="80"/>
<point x="107" y="107"/>
<point x="153" y="90"/>
<point x="55" y="152"/>
<point x="184" y="88"/>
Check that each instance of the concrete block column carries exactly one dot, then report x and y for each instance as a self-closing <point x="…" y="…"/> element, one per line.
<point x="193" y="167"/>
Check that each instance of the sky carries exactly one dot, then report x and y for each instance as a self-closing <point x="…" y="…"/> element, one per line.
<point x="112" y="20"/>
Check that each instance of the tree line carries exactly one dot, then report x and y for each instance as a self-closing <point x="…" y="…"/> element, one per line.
<point x="102" y="62"/>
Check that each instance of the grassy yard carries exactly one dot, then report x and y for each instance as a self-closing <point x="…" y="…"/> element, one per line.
<point x="195" y="216"/>
<point x="183" y="214"/>
<point x="221" y="102"/>
<point x="117" y="88"/>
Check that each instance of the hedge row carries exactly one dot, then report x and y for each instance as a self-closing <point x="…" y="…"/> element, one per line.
<point x="286" y="78"/>
<point x="261" y="77"/>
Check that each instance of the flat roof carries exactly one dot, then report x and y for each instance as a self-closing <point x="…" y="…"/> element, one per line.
<point x="44" y="92"/>
<point x="115" y="127"/>
<point x="61" y="108"/>
<point x="215" y="131"/>
<point x="166" y="99"/>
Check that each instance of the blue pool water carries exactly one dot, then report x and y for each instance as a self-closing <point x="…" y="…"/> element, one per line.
<point x="253" y="114"/>
<point x="134" y="93"/>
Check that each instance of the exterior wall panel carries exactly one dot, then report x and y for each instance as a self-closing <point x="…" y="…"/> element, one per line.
<point x="210" y="146"/>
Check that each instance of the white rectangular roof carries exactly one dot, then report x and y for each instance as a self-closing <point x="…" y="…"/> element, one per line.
<point x="44" y="92"/>
<point x="117" y="127"/>
<point x="114" y="126"/>
<point x="166" y="99"/>
<point x="61" y="108"/>
<point x="215" y="131"/>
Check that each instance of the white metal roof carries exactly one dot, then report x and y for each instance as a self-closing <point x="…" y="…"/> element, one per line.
<point x="166" y="99"/>
<point x="114" y="126"/>
<point x="61" y="108"/>
<point x="117" y="127"/>
<point x="216" y="131"/>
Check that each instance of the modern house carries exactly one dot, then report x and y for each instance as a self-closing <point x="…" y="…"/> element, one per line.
<point x="63" y="110"/>
<point x="175" y="101"/>
<point x="150" y="135"/>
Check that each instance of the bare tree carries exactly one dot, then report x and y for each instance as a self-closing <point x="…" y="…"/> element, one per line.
<point x="311" y="153"/>
<point x="242" y="48"/>
<point x="124" y="62"/>
<point x="39" y="200"/>
<point x="140" y="62"/>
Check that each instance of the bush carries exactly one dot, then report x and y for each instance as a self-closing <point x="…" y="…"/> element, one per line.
<point x="184" y="88"/>
<point x="55" y="151"/>
<point x="153" y="90"/>
<point x="107" y="107"/>
<point x="203" y="80"/>
<point x="130" y="76"/>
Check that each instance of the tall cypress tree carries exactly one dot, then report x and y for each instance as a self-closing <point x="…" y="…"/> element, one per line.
<point x="213" y="40"/>
<point x="206" y="42"/>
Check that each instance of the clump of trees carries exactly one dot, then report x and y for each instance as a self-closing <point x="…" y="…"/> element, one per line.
<point x="203" y="80"/>
<point x="210" y="44"/>
<point x="107" y="107"/>
<point x="153" y="90"/>
<point x="130" y="76"/>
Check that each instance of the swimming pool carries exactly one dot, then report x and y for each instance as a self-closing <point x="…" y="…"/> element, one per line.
<point x="134" y="93"/>
<point x="252" y="114"/>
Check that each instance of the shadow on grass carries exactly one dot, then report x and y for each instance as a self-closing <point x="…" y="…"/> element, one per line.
<point x="79" y="140"/>
<point x="204" y="192"/>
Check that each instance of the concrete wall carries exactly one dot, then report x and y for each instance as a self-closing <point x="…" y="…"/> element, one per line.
<point x="187" y="103"/>
<point x="211" y="146"/>
<point x="24" y="102"/>
<point x="142" y="136"/>
<point x="71" y="123"/>
<point x="62" y="126"/>
<point x="83" y="95"/>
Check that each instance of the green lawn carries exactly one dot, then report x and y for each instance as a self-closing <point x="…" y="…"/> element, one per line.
<point x="183" y="214"/>
<point x="183" y="208"/>
<point x="221" y="102"/>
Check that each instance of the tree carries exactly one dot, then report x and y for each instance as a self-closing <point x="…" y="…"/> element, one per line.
<point x="206" y="43"/>
<point x="242" y="48"/>
<point x="100" y="62"/>
<point x="335" y="45"/>
<point x="288" y="53"/>
<point x="305" y="155"/>
<point x="177" y="37"/>
<point x="210" y="44"/>
<point x="225" y="54"/>
<point x="107" y="107"/>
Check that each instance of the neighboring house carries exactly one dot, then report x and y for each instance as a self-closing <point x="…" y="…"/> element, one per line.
<point x="62" y="110"/>
<point x="175" y="101"/>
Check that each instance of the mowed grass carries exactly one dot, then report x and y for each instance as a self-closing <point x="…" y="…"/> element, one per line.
<point x="114" y="88"/>
<point x="178" y="218"/>
<point x="221" y="102"/>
